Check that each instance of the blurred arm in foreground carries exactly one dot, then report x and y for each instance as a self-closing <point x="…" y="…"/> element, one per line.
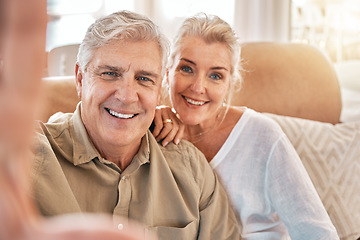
<point x="22" y="56"/>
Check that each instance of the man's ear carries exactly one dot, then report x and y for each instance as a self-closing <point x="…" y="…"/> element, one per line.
<point x="78" y="79"/>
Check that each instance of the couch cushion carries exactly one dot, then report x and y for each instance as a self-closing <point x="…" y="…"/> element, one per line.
<point x="289" y="79"/>
<point x="331" y="155"/>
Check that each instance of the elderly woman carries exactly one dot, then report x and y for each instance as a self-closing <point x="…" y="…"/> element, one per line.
<point x="264" y="177"/>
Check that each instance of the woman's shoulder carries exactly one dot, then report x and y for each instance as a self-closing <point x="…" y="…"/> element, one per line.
<point x="235" y="113"/>
<point x="257" y="121"/>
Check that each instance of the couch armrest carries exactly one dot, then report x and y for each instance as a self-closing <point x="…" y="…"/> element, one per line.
<point x="59" y="96"/>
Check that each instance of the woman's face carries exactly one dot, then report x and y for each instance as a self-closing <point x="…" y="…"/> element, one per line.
<point x="199" y="80"/>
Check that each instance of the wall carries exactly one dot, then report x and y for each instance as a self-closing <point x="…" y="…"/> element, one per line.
<point x="263" y="20"/>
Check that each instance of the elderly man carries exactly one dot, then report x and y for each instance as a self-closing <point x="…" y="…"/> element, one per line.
<point x="103" y="159"/>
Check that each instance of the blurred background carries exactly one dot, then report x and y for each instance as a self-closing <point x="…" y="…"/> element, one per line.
<point x="331" y="25"/>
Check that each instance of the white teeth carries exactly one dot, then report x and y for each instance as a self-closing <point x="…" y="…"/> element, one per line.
<point x="120" y="115"/>
<point x="198" y="103"/>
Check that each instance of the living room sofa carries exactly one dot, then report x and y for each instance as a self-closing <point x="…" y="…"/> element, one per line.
<point x="298" y="87"/>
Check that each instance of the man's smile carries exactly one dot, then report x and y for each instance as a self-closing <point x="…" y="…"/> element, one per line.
<point x="120" y="115"/>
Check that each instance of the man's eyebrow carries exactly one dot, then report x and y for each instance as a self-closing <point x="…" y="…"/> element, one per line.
<point x="112" y="68"/>
<point x="149" y="74"/>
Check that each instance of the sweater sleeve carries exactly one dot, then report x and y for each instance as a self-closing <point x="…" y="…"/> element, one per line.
<point x="292" y="194"/>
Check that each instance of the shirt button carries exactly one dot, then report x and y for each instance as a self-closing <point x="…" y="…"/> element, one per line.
<point x="124" y="178"/>
<point x="120" y="226"/>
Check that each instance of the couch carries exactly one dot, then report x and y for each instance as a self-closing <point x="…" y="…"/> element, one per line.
<point x="298" y="87"/>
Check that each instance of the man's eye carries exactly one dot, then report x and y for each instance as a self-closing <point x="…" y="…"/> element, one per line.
<point x="145" y="80"/>
<point x="186" y="69"/>
<point x="110" y="74"/>
<point x="216" y="76"/>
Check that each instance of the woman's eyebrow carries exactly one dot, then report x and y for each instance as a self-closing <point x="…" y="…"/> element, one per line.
<point x="187" y="60"/>
<point x="213" y="68"/>
<point x="219" y="68"/>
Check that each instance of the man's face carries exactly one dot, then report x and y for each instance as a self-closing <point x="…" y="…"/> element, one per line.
<point x="119" y="93"/>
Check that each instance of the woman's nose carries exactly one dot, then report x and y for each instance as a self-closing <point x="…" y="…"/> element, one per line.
<point x="198" y="85"/>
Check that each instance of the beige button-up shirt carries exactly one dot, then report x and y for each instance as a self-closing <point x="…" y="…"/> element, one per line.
<point x="172" y="190"/>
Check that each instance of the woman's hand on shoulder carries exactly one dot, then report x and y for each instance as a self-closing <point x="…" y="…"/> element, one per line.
<point x="168" y="127"/>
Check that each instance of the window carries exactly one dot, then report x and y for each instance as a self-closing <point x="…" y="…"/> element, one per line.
<point x="170" y="13"/>
<point x="332" y="26"/>
<point x="69" y="19"/>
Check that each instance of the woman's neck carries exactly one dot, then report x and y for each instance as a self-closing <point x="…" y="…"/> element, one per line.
<point x="210" y="139"/>
<point x="195" y="133"/>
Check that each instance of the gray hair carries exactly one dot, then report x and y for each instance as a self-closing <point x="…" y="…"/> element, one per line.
<point x="211" y="28"/>
<point x="123" y="25"/>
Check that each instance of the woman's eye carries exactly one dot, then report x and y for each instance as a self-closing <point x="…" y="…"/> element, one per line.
<point x="186" y="69"/>
<point x="216" y="76"/>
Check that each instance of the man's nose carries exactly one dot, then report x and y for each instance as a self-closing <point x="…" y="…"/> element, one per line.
<point x="127" y="90"/>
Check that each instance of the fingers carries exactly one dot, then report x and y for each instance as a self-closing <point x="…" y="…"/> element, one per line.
<point x="180" y="133"/>
<point x="22" y="52"/>
<point x="168" y="133"/>
<point x="23" y="41"/>
<point x="167" y="126"/>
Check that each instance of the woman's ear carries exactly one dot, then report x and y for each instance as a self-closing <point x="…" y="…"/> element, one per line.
<point x="78" y="79"/>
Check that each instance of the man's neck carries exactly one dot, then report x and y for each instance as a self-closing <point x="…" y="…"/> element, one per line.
<point x="122" y="156"/>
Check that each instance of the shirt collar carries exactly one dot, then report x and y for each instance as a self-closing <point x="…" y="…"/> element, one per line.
<point x="84" y="149"/>
<point x="142" y="156"/>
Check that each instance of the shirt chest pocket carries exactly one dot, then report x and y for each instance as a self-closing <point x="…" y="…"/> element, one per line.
<point x="188" y="232"/>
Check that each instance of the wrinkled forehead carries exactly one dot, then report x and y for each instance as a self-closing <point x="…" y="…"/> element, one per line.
<point x="145" y="55"/>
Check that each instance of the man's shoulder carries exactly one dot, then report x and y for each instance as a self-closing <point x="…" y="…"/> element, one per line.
<point x="185" y="150"/>
<point x="182" y="145"/>
<point x="54" y="127"/>
<point x="185" y="157"/>
<point x="51" y="135"/>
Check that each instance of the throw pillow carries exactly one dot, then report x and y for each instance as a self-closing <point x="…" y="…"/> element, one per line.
<point x="331" y="155"/>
